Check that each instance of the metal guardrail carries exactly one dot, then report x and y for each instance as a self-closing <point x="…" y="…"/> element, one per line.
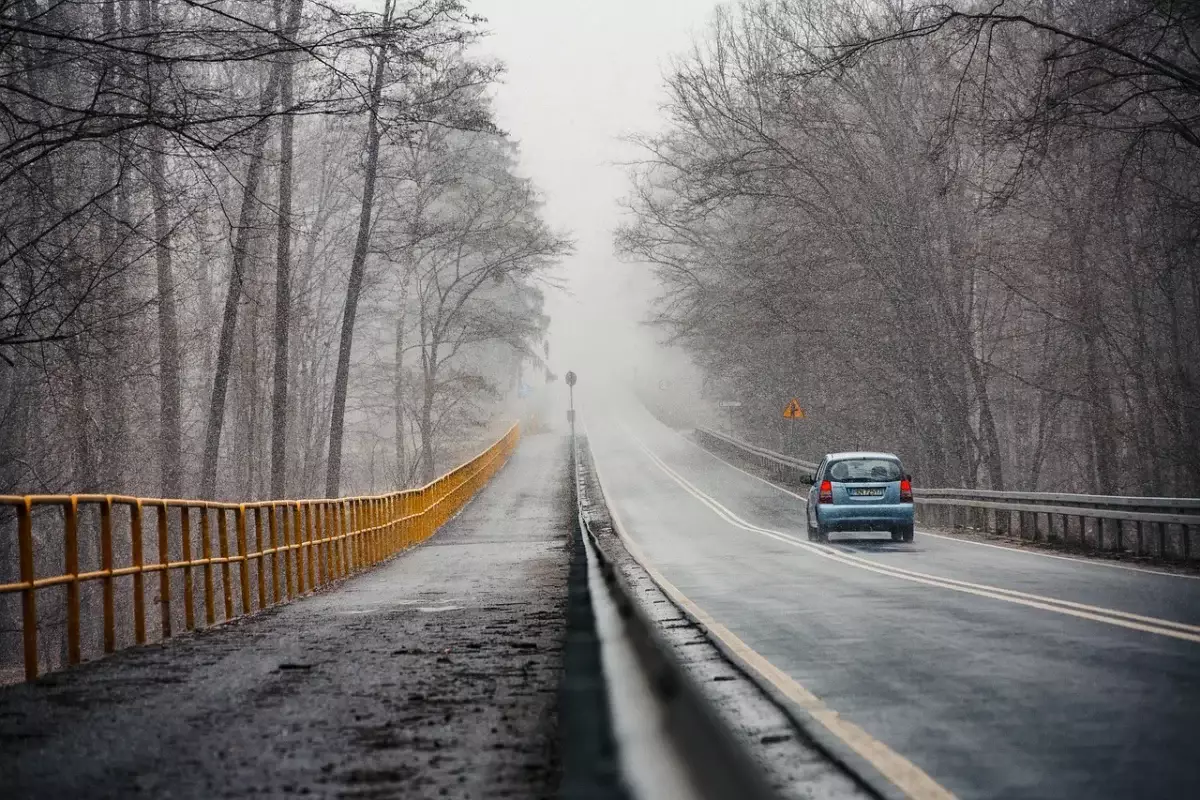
<point x="1179" y="504"/>
<point x="766" y="458"/>
<point x="281" y="548"/>
<point x="1165" y="520"/>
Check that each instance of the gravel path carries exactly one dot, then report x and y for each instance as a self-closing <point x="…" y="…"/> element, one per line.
<point x="435" y="675"/>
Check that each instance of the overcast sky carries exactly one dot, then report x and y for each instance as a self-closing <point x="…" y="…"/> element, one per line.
<point x="582" y="74"/>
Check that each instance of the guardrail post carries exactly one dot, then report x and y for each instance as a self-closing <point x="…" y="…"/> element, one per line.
<point x="385" y="526"/>
<point x="164" y="577"/>
<point x="71" y="529"/>
<point x="370" y="510"/>
<point x="318" y="513"/>
<point x="358" y="534"/>
<point x="375" y="521"/>
<point x="273" y="537"/>
<point x="106" y="565"/>
<point x="310" y="567"/>
<point x="260" y="558"/>
<point x="339" y="540"/>
<point x="139" y="578"/>
<point x="334" y="532"/>
<point x="226" y="574"/>
<point x="28" y="596"/>
<point x="210" y="612"/>
<point x="395" y="505"/>
<point x="422" y="508"/>
<point x="359" y="527"/>
<point x="332" y="571"/>
<point x="289" y="553"/>
<point x="244" y="555"/>
<point x="185" y="527"/>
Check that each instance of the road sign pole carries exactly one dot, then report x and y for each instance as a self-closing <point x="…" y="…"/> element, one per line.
<point x="571" y="379"/>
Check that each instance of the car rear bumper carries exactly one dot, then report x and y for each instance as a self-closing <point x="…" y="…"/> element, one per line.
<point x="865" y="518"/>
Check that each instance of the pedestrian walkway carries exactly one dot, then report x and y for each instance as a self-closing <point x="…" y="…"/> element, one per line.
<point x="435" y="675"/>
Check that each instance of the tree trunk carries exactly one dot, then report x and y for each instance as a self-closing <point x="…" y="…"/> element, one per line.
<point x="115" y="230"/>
<point x="216" y="408"/>
<point x="428" y="465"/>
<point x="354" y="286"/>
<point x="1102" y="421"/>
<point x="170" y="432"/>
<point x="398" y="398"/>
<point x="283" y="259"/>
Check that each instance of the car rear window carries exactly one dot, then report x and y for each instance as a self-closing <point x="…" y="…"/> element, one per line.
<point x="857" y="470"/>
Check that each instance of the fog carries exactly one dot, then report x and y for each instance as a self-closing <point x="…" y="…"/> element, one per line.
<point x="579" y="79"/>
<point x="336" y="264"/>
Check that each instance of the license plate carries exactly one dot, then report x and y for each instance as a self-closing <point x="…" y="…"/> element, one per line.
<point x="867" y="492"/>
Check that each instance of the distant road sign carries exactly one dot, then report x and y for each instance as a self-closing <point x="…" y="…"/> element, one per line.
<point x="793" y="410"/>
<point x="570" y="379"/>
<point x="730" y="404"/>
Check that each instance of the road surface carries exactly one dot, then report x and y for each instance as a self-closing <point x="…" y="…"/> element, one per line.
<point x="435" y="675"/>
<point x="994" y="672"/>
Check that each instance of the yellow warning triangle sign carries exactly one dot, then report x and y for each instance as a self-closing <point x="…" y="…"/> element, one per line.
<point x="793" y="410"/>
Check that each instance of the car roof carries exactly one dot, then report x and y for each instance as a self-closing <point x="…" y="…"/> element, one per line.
<point x="860" y="454"/>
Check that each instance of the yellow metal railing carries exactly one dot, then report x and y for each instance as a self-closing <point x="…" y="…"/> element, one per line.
<point x="280" y="549"/>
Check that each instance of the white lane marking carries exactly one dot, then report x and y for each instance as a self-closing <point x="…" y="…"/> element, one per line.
<point x="905" y="775"/>
<point x="1020" y="551"/>
<point x="1177" y="630"/>
<point x="1074" y="559"/>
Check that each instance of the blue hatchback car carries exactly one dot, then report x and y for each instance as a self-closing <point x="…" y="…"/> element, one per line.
<point x="860" y="492"/>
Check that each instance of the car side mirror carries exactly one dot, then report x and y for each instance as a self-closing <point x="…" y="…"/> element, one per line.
<point x="808" y="479"/>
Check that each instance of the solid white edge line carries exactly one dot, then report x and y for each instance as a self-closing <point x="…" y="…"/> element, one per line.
<point x="1074" y="559"/>
<point x="957" y="540"/>
<point x="1177" y="630"/>
<point x="905" y="775"/>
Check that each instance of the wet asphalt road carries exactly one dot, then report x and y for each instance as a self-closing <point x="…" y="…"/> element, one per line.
<point x="990" y="697"/>
<point x="435" y="675"/>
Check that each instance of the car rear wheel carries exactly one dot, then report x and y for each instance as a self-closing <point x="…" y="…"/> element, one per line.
<point x="903" y="534"/>
<point x="816" y="533"/>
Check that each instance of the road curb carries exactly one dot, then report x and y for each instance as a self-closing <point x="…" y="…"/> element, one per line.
<point x="715" y="761"/>
<point x="867" y="777"/>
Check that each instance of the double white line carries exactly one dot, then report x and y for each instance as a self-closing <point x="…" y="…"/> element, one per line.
<point x="1123" y="619"/>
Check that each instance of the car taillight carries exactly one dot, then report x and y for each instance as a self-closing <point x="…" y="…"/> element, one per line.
<point x="905" y="491"/>
<point x="826" y="492"/>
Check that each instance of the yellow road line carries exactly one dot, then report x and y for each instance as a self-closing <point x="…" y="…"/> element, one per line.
<point x="1162" y="627"/>
<point x="906" y="776"/>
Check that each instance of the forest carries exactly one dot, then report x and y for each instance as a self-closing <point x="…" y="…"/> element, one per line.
<point x="256" y="248"/>
<point x="964" y="232"/>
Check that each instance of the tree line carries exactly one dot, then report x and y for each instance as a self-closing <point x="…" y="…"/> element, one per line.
<point x="966" y="232"/>
<point x="255" y="248"/>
